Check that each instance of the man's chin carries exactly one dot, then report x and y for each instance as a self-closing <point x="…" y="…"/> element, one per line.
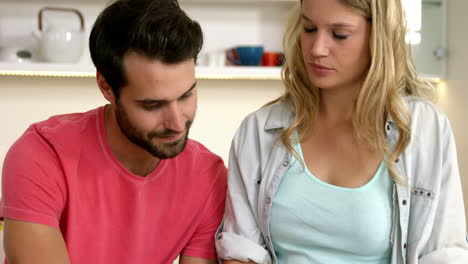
<point x="169" y="150"/>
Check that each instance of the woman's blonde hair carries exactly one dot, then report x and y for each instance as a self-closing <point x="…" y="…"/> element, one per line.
<point x="391" y="77"/>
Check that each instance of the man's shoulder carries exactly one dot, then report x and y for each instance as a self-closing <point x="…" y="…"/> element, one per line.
<point x="196" y="151"/>
<point x="64" y="123"/>
<point x="198" y="159"/>
<point x="60" y="131"/>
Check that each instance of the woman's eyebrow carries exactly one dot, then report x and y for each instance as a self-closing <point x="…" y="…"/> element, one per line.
<point x="334" y="25"/>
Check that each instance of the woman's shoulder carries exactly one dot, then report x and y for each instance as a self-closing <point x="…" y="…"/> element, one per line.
<point x="423" y="107"/>
<point x="425" y="113"/>
<point x="429" y="124"/>
<point x="271" y="116"/>
<point x="261" y="128"/>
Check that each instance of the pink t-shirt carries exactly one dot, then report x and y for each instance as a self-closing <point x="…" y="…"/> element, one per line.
<point x="62" y="173"/>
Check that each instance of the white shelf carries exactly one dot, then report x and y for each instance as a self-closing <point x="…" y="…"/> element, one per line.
<point x="201" y="72"/>
<point x="244" y="22"/>
<point x="47" y="69"/>
<point x="83" y="70"/>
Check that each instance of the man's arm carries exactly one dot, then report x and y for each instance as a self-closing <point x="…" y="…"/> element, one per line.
<point x="29" y="243"/>
<point x="236" y="262"/>
<point x="194" y="260"/>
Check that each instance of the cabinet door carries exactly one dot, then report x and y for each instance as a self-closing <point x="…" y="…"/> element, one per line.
<point x="430" y="51"/>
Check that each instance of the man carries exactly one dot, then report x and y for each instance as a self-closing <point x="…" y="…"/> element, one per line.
<point x="121" y="183"/>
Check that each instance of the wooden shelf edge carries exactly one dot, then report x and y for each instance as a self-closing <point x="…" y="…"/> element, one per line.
<point x="202" y="73"/>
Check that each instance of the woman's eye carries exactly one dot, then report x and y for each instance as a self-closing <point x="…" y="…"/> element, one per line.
<point x="309" y="30"/>
<point x="340" y="37"/>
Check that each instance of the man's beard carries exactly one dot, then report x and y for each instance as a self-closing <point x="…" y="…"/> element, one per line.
<point x="159" y="150"/>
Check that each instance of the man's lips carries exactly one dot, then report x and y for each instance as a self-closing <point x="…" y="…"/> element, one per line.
<point x="169" y="138"/>
<point x="172" y="137"/>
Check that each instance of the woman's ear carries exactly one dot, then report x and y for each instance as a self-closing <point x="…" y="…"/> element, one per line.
<point x="105" y="88"/>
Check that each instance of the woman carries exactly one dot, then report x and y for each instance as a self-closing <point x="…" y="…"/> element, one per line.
<point x="352" y="164"/>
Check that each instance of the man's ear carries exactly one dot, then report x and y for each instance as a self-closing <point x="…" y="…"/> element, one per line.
<point x="105" y="88"/>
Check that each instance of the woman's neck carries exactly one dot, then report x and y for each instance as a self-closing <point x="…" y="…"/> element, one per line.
<point x="337" y="105"/>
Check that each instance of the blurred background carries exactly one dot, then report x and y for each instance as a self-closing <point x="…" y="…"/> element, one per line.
<point x="36" y="82"/>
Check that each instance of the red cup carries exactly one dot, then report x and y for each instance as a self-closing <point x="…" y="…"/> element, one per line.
<point x="272" y="58"/>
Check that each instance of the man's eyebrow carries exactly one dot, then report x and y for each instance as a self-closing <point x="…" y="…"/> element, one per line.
<point x="155" y="101"/>
<point x="194" y="85"/>
<point x="333" y="25"/>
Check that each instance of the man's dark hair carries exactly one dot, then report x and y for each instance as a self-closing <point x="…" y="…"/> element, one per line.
<point x="157" y="29"/>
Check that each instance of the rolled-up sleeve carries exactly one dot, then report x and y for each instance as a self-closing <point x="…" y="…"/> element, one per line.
<point x="231" y="246"/>
<point x="239" y="237"/>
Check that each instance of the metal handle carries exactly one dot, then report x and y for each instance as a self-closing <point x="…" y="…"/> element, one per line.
<point x="76" y="11"/>
<point x="440" y="53"/>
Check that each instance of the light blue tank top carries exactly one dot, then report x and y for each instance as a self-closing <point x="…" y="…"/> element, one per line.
<point x="315" y="222"/>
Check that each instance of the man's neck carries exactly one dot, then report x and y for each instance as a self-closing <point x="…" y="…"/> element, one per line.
<point x="132" y="157"/>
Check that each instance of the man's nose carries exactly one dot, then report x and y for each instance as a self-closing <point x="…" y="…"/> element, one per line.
<point x="174" y="117"/>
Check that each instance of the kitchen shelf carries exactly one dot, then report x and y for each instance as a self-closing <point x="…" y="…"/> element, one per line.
<point x="46" y="69"/>
<point x="202" y="72"/>
<point x="226" y="24"/>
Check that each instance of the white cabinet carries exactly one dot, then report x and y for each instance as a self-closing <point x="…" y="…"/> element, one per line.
<point x="226" y="24"/>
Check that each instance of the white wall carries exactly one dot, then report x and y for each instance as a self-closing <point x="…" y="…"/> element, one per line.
<point x="222" y="105"/>
<point x="454" y="99"/>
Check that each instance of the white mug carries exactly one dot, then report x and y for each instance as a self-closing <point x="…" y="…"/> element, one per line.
<point x="216" y="59"/>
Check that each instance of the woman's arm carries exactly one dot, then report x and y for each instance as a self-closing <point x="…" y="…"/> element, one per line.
<point x="241" y="238"/>
<point x="447" y="243"/>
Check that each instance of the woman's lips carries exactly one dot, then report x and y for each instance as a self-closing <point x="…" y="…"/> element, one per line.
<point x="320" y="69"/>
